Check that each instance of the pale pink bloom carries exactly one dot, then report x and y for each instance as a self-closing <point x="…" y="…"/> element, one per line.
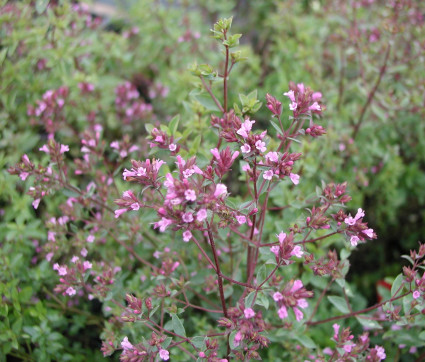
<point x="238" y="338"/>
<point x="164" y="354"/>
<point x="245" y="128"/>
<point x="215" y="153"/>
<point x="64" y="148"/>
<point x="249" y="313"/>
<point x="300" y="87"/>
<point x="297" y="251"/>
<point x="246" y="167"/>
<point x="119" y="212"/>
<point x="281" y="237"/>
<point x="44" y="148"/>
<point x="187" y="235"/>
<point x="187" y="217"/>
<point x="123" y="153"/>
<point x="316" y="96"/>
<point x="298" y="284"/>
<point x="71" y="291"/>
<point x="201" y="215"/>
<point x="246" y="148"/>
<point x="328" y="351"/>
<point x="125" y="344"/>
<point x="293" y="106"/>
<point x="135" y="206"/>
<point x="295" y="178"/>
<point x="354" y="240"/>
<point x="277" y="296"/>
<point x="172" y="147"/>
<point x="315" y="107"/>
<point x="133" y="149"/>
<point x="163" y="224"/>
<point x="87" y="265"/>
<point x="275" y="250"/>
<point x="360" y="214"/>
<point x="336" y="326"/>
<point x="298" y="314"/>
<point x="51" y="236"/>
<point x="220" y="190"/>
<point x="416" y="294"/>
<point x="260" y="146"/>
<point x="49" y="256"/>
<point x="272" y="156"/>
<point x="380" y="352"/>
<point x="91" y="238"/>
<point x="290" y="94"/>
<point x="84" y="252"/>
<point x="268" y="175"/>
<point x="241" y="219"/>
<point x="190" y="195"/>
<point x="348" y="347"/>
<point x="369" y="233"/>
<point x="282" y="312"/>
<point x="24" y="175"/>
<point x="35" y="203"/>
<point x="75" y="259"/>
<point x="302" y="303"/>
<point x="412" y="350"/>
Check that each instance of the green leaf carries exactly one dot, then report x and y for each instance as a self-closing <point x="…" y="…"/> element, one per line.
<point x="397" y="284"/>
<point x="274" y="124"/>
<point x="174" y="123"/>
<point x="206" y="101"/>
<point x="198" y="342"/>
<point x="178" y="325"/>
<point x="262" y="300"/>
<point x="339" y="303"/>
<point x="232" y="340"/>
<point x="306" y="341"/>
<point x="368" y="323"/>
<point x="41" y="5"/>
<point x="249" y="299"/>
<point x="261" y="275"/>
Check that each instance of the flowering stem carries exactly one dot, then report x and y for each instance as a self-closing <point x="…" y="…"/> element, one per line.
<point x="208" y="89"/>
<point x="218" y="271"/>
<point x="353" y="314"/>
<point x="372" y="93"/>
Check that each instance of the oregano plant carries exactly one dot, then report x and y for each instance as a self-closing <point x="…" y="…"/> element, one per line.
<point x="179" y="242"/>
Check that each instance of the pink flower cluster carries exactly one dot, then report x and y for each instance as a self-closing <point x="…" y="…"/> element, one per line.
<point x="129" y="106"/>
<point x="286" y="248"/>
<point x="292" y="296"/>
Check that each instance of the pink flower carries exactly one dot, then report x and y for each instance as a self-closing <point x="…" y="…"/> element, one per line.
<point x="260" y="146"/>
<point x="246" y="148"/>
<point x="215" y="153"/>
<point x="187" y="235"/>
<point x="64" y="148"/>
<point x="249" y="313"/>
<point x="201" y="215"/>
<point x="164" y="354"/>
<point x="90" y="238"/>
<point x="24" y="175"/>
<point x="275" y="250"/>
<point x="380" y="352"/>
<point x="119" y="212"/>
<point x="336" y="330"/>
<point x="187" y="217"/>
<point x="241" y="219"/>
<point x="298" y="314"/>
<point x="126" y="345"/>
<point x="298" y="284"/>
<point x="71" y="291"/>
<point x="245" y="128"/>
<point x="44" y="148"/>
<point x="295" y="178"/>
<point x="190" y="195"/>
<point x="272" y="156"/>
<point x="277" y="296"/>
<point x="315" y="107"/>
<point x="87" y="265"/>
<point x="293" y="106"/>
<point x="75" y="259"/>
<point x="282" y="312"/>
<point x="348" y="347"/>
<point x="316" y="96"/>
<point x="354" y="240"/>
<point x="246" y="167"/>
<point x="290" y="94"/>
<point x="220" y="190"/>
<point x="238" y="338"/>
<point x="172" y="147"/>
<point x="163" y="224"/>
<point x="297" y="251"/>
<point x="268" y="175"/>
<point x="84" y="252"/>
<point x="369" y="233"/>
<point x="416" y="294"/>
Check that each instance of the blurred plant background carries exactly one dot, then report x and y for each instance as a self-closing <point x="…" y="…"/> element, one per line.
<point x="365" y="56"/>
